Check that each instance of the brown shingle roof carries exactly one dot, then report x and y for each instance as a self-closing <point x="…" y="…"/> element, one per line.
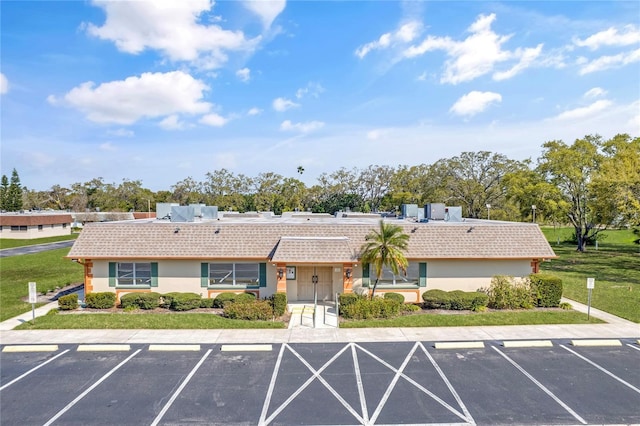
<point x="331" y="241"/>
<point x="32" y="219"/>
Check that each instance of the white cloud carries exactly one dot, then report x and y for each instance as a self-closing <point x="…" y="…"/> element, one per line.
<point x="475" y="102"/>
<point x="478" y="54"/>
<point x="405" y="34"/>
<point x="244" y="74"/>
<point x="173" y="28"/>
<point x="307" y="127"/>
<point x="282" y="104"/>
<point x="583" y="112"/>
<point x="149" y="96"/>
<point x="267" y="10"/>
<point x="214" y="120"/>
<point x="611" y="37"/>
<point x="607" y="62"/>
<point x="172" y="122"/>
<point x="107" y="146"/>
<point x="596" y="92"/>
<point x="254" y="111"/>
<point x="376" y="134"/>
<point x="4" y="84"/>
<point x="311" y="89"/>
<point x="124" y="133"/>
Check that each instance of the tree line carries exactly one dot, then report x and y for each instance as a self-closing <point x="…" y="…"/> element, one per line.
<point x="591" y="184"/>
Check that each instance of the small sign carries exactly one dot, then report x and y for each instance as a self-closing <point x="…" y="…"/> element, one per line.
<point x="33" y="293"/>
<point x="591" y="282"/>
<point x="291" y="272"/>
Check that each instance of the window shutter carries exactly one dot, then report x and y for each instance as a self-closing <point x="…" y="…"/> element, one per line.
<point x="365" y="275"/>
<point x="423" y="274"/>
<point x="112" y="274"/>
<point x="263" y="275"/>
<point x="204" y="275"/>
<point x="154" y="274"/>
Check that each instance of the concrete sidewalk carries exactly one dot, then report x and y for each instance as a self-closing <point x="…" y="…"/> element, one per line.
<point x="614" y="328"/>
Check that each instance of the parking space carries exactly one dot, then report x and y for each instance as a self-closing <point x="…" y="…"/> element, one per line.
<point x="337" y="383"/>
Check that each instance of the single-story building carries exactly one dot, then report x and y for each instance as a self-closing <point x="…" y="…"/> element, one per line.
<point x="301" y="255"/>
<point x="34" y="225"/>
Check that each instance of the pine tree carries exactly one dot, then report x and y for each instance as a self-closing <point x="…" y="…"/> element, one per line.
<point x="14" y="194"/>
<point x="4" y="192"/>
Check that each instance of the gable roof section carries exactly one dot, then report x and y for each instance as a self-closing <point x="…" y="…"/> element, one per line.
<point x="301" y="242"/>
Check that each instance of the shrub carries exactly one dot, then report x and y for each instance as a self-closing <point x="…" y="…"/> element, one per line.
<point x="346" y="299"/>
<point x="454" y="300"/>
<point x="140" y="300"/>
<point x="223" y="298"/>
<point x="436" y="299"/>
<point x="103" y="300"/>
<point x="395" y="296"/>
<point x="52" y="312"/>
<point x="278" y="303"/>
<point x="547" y="289"/>
<point x="185" y="301"/>
<point x="364" y="308"/>
<point x="255" y="310"/>
<point x="409" y="307"/>
<point x="68" y="302"/>
<point x="566" y="306"/>
<point x="206" y="303"/>
<point x="166" y="299"/>
<point x="505" y="293"/>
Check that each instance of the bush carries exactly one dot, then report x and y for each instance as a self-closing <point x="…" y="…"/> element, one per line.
<point x="223" y="298"/>
<point x="68" y="302"/>
<point x="395" y="296"/>
<point x="506" y="293"/>
<point x="346" y="299"/>
<point x="454" y="300"/>
<point x="166" y="299"/>
<point x="255" y="310"/>
<point x="103" y="300"/>
<point x="185" y="301"/>
<point x="409" y="307"/>
<point x="566" y="306"/>
<point x="364" y="308"/>
<point x="140" y="300"/>
<point x="547" y="289"/>
<point x="278" y="303"/>
<point x="206" y="303"/>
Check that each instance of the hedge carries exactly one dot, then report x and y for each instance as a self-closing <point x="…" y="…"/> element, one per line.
<point x="253" y="311"/>
<point x="104" y="300"/>
<point x="547" y="289"/>
<point x="507" y="293"/>
<point x="141" y="300"/>
<point x="223" y="298"/>
<point x="395" y="296"/>
<point x="346" y="299"/>
<point x="364" y="308"/>
<point x="185" y="302"/>
<point x="278" y="303"/>
<point x="206" y="303"/>
<point x="454" y="300"/>
<point x="68" y="302"/>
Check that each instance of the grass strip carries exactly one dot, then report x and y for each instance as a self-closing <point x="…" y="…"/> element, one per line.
<point x="6" y="243"/>
<point x="182" y="321"/>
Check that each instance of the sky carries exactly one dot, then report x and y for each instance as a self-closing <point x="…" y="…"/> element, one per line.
<point x="159" y="91"/>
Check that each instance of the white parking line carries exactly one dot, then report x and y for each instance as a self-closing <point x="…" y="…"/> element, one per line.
<point x="633" y="347"/>
<point x="607" y="372"/>
<point x="272" y="384"/>
<point x="33" y="369"/>
<point x="180" y="388"/>
<point x="92" y="387"/>
<point x="541" y="386"/>
<point x="361" y="394"/>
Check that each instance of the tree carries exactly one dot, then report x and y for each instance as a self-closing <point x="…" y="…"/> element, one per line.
<point x="570" y="169"/>
<point x="385" y="248"/>
<point x="14" y="193"/>
<point x="4" y="191"/>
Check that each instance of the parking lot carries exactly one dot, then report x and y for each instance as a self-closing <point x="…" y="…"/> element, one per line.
<point x="333" y="383"/>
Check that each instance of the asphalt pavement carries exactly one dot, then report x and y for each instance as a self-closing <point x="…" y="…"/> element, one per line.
<point x="37" y="248"/>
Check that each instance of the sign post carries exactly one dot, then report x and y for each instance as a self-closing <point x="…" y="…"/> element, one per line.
<point x="591" y="282"/>
<point x="33" y="298"/>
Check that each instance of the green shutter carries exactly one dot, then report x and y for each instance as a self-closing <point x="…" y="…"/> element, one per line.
<point x="263" y="275"/>
<point x="154" y="274"/>
<point x="204" y="275"/>
<point x="365" y="275"/>
<point x="112" y="274"/>
<point x="423" y="274"/>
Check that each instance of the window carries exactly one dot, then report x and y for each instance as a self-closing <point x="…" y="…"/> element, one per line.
<point x="64" y="225"/>
<point x="39" y="227"/>
<point x="412" y="276"/>
<point x="18" y="228"/>
<point x="133" y="274"/>
<point x="242" y="274"/>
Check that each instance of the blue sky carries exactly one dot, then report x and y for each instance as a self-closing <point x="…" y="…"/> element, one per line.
<point x="161" y="91"/>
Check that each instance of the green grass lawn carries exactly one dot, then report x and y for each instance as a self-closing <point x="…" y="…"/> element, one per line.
<point x="527" y="317"/>
<point x="48" y="269"/>
<point x="10" y="243"/>
<point x="182" y="321"/>
<point x="615" y="266"/>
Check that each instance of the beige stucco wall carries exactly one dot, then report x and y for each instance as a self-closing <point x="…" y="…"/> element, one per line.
<point x="33" y="232"/>
<point x="469" y="275"/>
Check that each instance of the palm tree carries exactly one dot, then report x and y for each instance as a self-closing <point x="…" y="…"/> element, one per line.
<point x="385" y="247"/>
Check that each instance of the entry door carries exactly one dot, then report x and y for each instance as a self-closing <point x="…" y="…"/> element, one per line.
<point x="324" y="286"/>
